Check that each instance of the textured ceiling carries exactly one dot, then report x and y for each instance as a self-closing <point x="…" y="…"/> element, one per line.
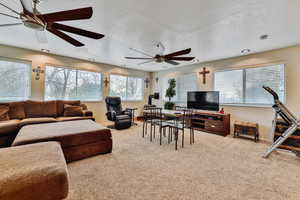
<point x="214" y="29"/>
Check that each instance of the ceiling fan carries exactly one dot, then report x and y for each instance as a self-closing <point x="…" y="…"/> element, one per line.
<point x="33" y="19"/>
<point x="169" y="58"/>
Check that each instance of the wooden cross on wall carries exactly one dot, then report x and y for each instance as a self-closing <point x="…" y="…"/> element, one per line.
<point x="147" y="81"/>
<point x="106" y="82"/>
<point x="203" y="73"/>
<point x="38" y="71"/>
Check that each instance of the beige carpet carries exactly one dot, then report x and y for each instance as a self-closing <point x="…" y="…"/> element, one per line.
<point x="213" y="168"/>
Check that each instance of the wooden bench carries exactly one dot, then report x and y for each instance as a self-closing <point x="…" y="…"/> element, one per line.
<point x="246" y="129"/>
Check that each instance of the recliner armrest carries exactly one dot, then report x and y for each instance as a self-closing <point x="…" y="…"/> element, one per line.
<point x="127" y="112"/>
<point x="111" y="116"/>
<point x="87" y="113"/>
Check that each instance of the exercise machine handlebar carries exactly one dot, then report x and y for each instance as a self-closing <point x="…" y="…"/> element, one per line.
<point x="272" y="92"/>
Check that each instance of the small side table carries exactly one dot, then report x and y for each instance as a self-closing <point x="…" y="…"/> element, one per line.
<point x="247" y="129"/>
<point x="132" y="110"/>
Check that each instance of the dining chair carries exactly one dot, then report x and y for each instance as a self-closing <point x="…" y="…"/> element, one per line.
<point x="182" y="123"/>
<point x="154" y="117"/>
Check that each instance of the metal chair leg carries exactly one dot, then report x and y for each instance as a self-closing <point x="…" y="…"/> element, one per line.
<point x="160" y="136"/>
<point x="143" y="129"/>
<point x="146" y="131"/>
<point x="176" y="138"/>
<point x="182" y="138"/>
<point x="169" y="136"/>
<point x="193" y="136"/>
<point x="150" y="131"/>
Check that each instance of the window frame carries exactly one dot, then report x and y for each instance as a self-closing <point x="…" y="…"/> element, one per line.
<point x="126" y="100"/>
<point x="244" y="84"/>
<point x="30" y="76"/>
<point x="76" y="69"/>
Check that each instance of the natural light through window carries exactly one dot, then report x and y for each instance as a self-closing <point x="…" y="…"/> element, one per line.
<point x="128" y="88"/>
<point x="72" y="84"/>
<point x="15" y="81"/>
<point x="184" y="84"/>
<point x="244" y="86"/>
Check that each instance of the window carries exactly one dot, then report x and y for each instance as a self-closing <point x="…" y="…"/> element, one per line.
<point x="231" y="89"/>
<point x="244" y="86"/>
<point x="15" y="81"/>
<point x="184" y="84"/>
<point x="72" y="84"/>
<point x="128" y="88"/>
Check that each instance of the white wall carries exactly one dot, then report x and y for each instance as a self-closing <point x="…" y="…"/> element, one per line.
<point x="264" y="116"/>
<point x="41" y="59"/>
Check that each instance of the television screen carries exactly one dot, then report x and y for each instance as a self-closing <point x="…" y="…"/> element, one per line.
<point x="203" y="100"/>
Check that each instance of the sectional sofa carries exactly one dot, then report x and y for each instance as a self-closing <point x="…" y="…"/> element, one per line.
<point x="35" y="112"/>
<point x="38" y="148"/>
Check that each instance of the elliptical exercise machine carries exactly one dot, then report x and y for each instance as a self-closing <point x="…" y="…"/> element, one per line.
<point x="287" y="116"/>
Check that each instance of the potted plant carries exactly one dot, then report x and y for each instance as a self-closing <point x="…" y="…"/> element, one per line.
<point x="170" y="93"/>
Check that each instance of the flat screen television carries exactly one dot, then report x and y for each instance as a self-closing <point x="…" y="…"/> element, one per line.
<point x="208" y="100"/>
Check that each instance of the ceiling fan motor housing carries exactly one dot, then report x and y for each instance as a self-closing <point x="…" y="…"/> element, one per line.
<point x="159" y="58"/>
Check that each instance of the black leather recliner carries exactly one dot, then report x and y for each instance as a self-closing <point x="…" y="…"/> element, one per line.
<point x="122" y="118"/>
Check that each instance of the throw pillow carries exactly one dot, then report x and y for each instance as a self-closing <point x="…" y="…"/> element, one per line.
<point x="72" y="111"/>
<point x="4" y="113"/>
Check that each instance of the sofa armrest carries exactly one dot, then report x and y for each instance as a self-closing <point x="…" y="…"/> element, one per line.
<point x="87" y="113"/>
<point x="83" y="106"/>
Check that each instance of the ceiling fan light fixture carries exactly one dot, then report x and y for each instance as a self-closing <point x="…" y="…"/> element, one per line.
<point x="45" y="50"/>
<point x="245" y="51"/>
<point x="34" y="25"/>
<point x="264" y="37"/>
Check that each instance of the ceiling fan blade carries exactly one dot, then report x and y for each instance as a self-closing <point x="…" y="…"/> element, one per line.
<point x="149" y="61"/>
<point x="66" y="37"/>
<point x="77" y="31"/>
<point x="182" y="58"/>
<point x="41" y="37"/>
<point x="141" y="52"/>
<point x="9" y="16"/>
<point x="178" y="53"/>
<point x="27" y="6"/>
<point x="172" y="62"/>
<point x="7" y="25"/>
<point x="12" y="10"/>
<point x="135" y="58"/>
<point x="76" y="14"/>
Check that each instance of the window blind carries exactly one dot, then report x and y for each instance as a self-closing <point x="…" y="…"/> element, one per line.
<point x="245" y="86"/>
<point x="15" y="81"/>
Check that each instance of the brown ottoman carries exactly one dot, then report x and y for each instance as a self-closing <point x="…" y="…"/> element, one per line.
<point x="78" y="139"/>
<point x="35" y="171"/>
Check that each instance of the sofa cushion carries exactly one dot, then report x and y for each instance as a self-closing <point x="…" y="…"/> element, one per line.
<point x="9" y="127"/>
<point x="40" y="109"/>
<point x="16" y="110"/>
<point x="69" y="133"/>
<point x="73" y="118"/>
<point x="4" y="112"/>
<point x="87" y="113"/>
<point x="38" y="120"/>
<point x="72" y="111"/>
<point x="60" y="106"/>
<point x="36" y="171"/>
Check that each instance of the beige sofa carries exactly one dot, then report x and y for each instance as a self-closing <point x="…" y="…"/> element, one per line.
<point x="36" y="112"/>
